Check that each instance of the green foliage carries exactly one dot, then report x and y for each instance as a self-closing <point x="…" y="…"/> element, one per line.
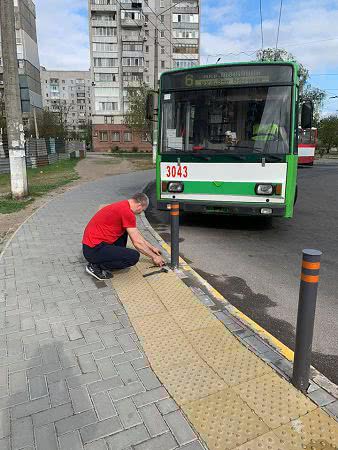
<point x="328" y="134"/>
<point x="307" y="92"/>
<point x="49" y="125"/>
<point x="135" y="118"/>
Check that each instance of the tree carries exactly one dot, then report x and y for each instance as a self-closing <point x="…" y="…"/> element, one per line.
<point x="328" y="134"/>
<point x="135" y="118"/>
<point x="48" y="125"/>
<point x="307" y="92"/>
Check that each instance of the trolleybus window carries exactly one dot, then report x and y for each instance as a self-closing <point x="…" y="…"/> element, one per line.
<point x="230" y="120"/>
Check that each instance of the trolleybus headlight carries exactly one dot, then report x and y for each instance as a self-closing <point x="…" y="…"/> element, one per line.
<point x="266" y="211"/>
<point x="175" y="186"/>
<point x="264" y="189"/>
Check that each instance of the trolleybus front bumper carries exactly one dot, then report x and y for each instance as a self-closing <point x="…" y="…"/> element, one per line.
<point x="263" y="209"/>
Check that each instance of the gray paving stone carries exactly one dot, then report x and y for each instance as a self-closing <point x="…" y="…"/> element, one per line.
<point x="60" y="375"/>
<point x="153" y="420"/>
<point x="104" y="405"/>
<point x="167" y="406"/>
<point x="74" y="333"/>
<point x="80" y="380"/>
<point x="332" y="408"/>
<point x="100" y="429"/>
<point x="193" y="446"/>
<point x="71" y="441"/>
<point x="105" y="385"/>
<point x="87" y="363"/>
<point x="29" y="408"/>
<point x="52" y="415"/>
<point x="163" y="442"/>
<point x="106" y="367"/>
<point x="126" y="391"/>
<point x="109" y="339"/>
<point x="108" y="352"/>
<point x="128" y="413"/>
<point x="180" y="428"/>
<point x="97" y="445"/>
<point x="148" y="378"/>
<point x="45" y="438"/>
<point x="4" y="423"/>
<point x="75" y="422"/>
<point x="4" y="444"/>
<point x="80" y="399"/>
<point x="22" y="433"/>
<point x="125" y="357"/>
<point x="58" y="393"/>
<point x="89" y="348"/>
<point x="140" y="363"/>
<point x="321" y="397"/>
<point x="127" y="343"/>
<point x="37" y="387"/>
<point x="126" y="438"/>
<point x="148" y="397"/>
<point x="127" y="373"/>
<point x="17" y="382"/>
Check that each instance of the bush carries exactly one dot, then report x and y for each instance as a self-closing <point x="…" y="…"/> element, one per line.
<point x="115" y="149"/>
<point x="135" y="149"/>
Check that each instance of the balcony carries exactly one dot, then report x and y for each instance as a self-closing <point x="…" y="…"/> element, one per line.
<point x="103" y="7"/>
<point x="128" y="22"/>
<point x="132" y="54"/>
<point x="104" y="23"/>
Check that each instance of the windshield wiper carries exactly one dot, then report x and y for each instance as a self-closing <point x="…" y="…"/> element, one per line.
<point x="200" y="156"/>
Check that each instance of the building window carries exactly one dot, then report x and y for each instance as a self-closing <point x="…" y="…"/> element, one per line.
<point x="147" y="32"/>
<point x="132" y="47"/>
<point x="162" y="33"/>
<point x="162" y="64"/>
<point x="108" y="119"/>
<point x="127" y="136"/>
<point x="104" y="31"/>
<point x="162" y="50"/>
<point x="147" y="48"/>
<point x="161" y="3"/>
<point x="63" y="81"/>
<point x="146" y="17"/>
<point x="184" y="63"/>
<point x="106" y="106"/>
<point x="105" y="77"/>
<point x="115" y="136"/>
<point x="185" y="48"/>
<point x="132" y="61"/>
<point x="144" y="137"/>
<point x="162" y="18"/>
<point x="105" y="62"/>
<point x="103" y="136"/>
<point x="104" y="47"/>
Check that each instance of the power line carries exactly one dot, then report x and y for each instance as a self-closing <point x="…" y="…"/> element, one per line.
<point x="279" y="20"/>
<point x="260" y="10"/>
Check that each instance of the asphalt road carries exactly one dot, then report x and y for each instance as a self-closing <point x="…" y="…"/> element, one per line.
<point x="256" y="264"/>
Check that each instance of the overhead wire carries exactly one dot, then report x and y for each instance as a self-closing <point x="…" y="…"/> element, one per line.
<point x="260" y="11"/>
<point x="279" y="21"/>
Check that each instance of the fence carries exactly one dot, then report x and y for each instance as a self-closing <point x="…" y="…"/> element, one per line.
<point x="41" y="152"/>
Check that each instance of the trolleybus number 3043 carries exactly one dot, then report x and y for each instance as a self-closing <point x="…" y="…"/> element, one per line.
<point x="177" y="172"/>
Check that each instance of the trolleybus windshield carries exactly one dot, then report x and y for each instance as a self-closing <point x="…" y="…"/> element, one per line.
<point x="232" y="120"/>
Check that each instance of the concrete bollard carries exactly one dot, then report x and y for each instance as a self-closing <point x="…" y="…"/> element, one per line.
<point x="305" y="318"/>
<point x="175" y="234"/>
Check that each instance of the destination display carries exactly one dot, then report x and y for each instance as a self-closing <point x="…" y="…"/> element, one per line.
<point x="225" y="76"/>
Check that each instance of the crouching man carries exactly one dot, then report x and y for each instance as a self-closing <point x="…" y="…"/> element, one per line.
<point x="106" y="235"/>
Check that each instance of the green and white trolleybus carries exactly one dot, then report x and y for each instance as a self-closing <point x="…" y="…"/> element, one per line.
<point x="227" y="138"/>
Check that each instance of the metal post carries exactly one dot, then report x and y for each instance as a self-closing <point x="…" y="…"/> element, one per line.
<point x="15" y="131"/>
<point x="175" y="234"/>
<point x="155" y="137"/>
<point x="305" y="319"/>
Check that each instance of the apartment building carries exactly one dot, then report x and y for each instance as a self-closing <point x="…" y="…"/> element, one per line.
<point x="68" y="94"/>
<point x="28" y="59"/>
<point x="123" y="34"/>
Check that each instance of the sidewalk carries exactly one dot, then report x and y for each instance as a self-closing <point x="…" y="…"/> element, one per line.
<point x="74" y="375"/>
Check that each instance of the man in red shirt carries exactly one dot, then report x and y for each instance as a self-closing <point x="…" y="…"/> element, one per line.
<point x="106" y="235"/>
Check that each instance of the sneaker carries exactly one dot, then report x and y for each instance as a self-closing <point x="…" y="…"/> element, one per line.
<point x="97" y="273"/>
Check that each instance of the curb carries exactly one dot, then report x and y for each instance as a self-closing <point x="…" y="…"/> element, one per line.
<point x="321" y="391"/>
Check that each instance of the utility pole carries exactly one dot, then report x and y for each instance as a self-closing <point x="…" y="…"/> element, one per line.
<point x="155" y="89"/>
<point x="15" y="132"/>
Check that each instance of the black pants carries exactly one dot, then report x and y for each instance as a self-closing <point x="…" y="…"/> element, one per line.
<point x="112" y="256"/>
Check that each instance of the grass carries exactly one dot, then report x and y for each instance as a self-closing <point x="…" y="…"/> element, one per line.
<point x="40" y="181"/>
<point x="129" y="155"/>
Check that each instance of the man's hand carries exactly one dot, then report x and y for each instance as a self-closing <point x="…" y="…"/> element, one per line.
<point x="158" y="261"/>
<point x="156" y="250"/>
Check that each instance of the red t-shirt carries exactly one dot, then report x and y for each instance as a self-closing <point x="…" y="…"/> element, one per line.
<point x="109" y="224"/>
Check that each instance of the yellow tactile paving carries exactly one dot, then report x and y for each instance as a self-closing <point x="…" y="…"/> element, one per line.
<point x="224" y="421"/>
<point x="155" y="325"/>
<point x="314" y="431"/>
<point x="171" y="351"/>
<point x="213" y="342"/>
<point x="238" y="365"/>
<point x="233" y="398"/>
<point x="190" y="319"/>
<point x="268" y="441"/>
<point x="274" y="399"/>
<point x="191" y="382"/>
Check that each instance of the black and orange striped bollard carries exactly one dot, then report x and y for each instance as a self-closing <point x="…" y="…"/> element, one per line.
<point x="306" y="317"/>
<point x="175" y="234"/>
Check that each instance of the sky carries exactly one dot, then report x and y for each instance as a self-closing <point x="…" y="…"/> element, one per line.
<point x="230" y="29"/>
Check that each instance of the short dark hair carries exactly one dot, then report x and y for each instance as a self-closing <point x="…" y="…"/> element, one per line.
<point x="139" y="197"/>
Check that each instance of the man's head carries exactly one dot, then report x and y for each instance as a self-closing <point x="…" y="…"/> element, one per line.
<point x="139" y="203"/>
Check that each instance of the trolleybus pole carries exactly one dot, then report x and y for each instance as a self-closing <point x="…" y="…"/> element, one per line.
<point x="175" y="234"/>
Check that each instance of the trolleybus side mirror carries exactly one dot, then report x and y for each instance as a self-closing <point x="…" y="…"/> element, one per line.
<point x="307" y="115"/>
<point x="150" y="105"/>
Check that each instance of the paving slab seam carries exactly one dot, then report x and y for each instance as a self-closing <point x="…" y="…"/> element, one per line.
<point x="321" y="391"/>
